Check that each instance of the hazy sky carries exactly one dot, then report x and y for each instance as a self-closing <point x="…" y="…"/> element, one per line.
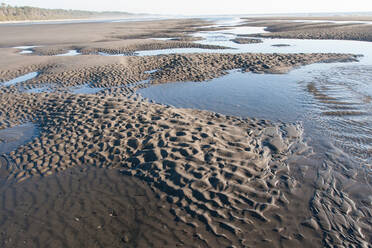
<point x="188" y="7"/>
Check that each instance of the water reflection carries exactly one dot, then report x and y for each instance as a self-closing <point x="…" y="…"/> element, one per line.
<point x="69" y="53"/>
<point x="25" y="49"/>
<point x="11" y="138"/>
<point x="85" y="89"/>
<point x="267" y="96"/>
<point x="20" y="79"/>
<point x="331" y="100"/>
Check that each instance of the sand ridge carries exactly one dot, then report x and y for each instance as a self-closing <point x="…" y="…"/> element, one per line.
<point x="106" y="72"/>
<point x="115" y="48"/>
<point x="240" y="40"/>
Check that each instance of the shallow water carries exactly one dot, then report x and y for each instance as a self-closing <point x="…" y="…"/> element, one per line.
<point x="332" y="101"/>
<point x="11" y="138"/>
<point x="20" y="79"/>
<point x="317" y="95"/>
<point x="85" y="89"/>
<point x="26" y="52"/>
<point x="331" y="21"/>
<point x="226" y="21"/>
<point x="108" y="54"/>
<point x="162" y="39"/>
<point x="343" y="96"/>
<point x="36" y="90"/>
<point x="237" y="94"/>
<point x="284" y="97"/>
<point x="224" y="37"/>
<point x="151" y="71"/>
<point x="70" y="53"/>
<point x="339" y="107"/>
<point x="25" y="49"/>
<point x="295" y="46"/>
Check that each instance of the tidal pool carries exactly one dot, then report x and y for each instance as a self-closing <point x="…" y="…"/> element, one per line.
<point x="70" y="53"/>
<point x="25" y="49"/>
<point x="331" y="100"/>
<point x="12" y="138"/>
<point x="20" y="79"/>
<point x="85" y="89"/>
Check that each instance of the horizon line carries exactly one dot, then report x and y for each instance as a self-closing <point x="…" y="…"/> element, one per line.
<point x="369" y="12"/>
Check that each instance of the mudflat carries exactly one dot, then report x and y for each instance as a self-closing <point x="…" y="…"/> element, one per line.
<point x="308" y="28"/>
<point x="113" y="169"/>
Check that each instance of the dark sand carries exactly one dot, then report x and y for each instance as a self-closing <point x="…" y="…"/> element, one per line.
<point x="113" y="170"/>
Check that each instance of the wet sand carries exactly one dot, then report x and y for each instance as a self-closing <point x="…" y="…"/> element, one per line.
<point x="112" y="38"/>
<point x="246" y="41"/>
<point x="313" y="30"/>
<point x="112" y="169"/>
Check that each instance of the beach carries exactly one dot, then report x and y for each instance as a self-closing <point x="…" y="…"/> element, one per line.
<point x="92" y="163"/>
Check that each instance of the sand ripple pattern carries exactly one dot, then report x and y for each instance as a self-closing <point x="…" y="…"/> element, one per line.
<point x="208" y="164"/>
<point x="301" y="30"/>
<point x="345" y="102"/>
<point x="224" y="173"/>
<point x="336" y="214"/>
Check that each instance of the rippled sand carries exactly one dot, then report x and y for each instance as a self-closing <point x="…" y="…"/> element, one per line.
<point x="112" y="169"/>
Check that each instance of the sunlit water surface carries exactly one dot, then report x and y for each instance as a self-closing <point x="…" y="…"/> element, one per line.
<point x="332" y="100"/>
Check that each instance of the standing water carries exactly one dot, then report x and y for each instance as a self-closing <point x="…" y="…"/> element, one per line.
<point x="326" y="96"/>
<point x="332" y="101"/>
<point x="20" y="79"/>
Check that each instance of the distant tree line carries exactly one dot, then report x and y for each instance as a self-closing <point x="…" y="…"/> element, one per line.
<point x="10" y="13"/>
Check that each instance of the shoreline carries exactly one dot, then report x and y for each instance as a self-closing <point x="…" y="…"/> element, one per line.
<point x="305" y="30"/>
<point x="330" y="18"/>
<point x="133" y="17"/>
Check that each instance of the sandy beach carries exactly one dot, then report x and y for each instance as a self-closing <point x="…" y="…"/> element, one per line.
<point x="356" y="29"/>
<point x="112" y="169"/>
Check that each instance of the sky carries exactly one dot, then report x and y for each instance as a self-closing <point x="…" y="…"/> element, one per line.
<point x="200" y="7"/>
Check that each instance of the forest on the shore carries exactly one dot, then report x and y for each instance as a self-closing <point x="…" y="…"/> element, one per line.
<point x="14" y="13"/>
